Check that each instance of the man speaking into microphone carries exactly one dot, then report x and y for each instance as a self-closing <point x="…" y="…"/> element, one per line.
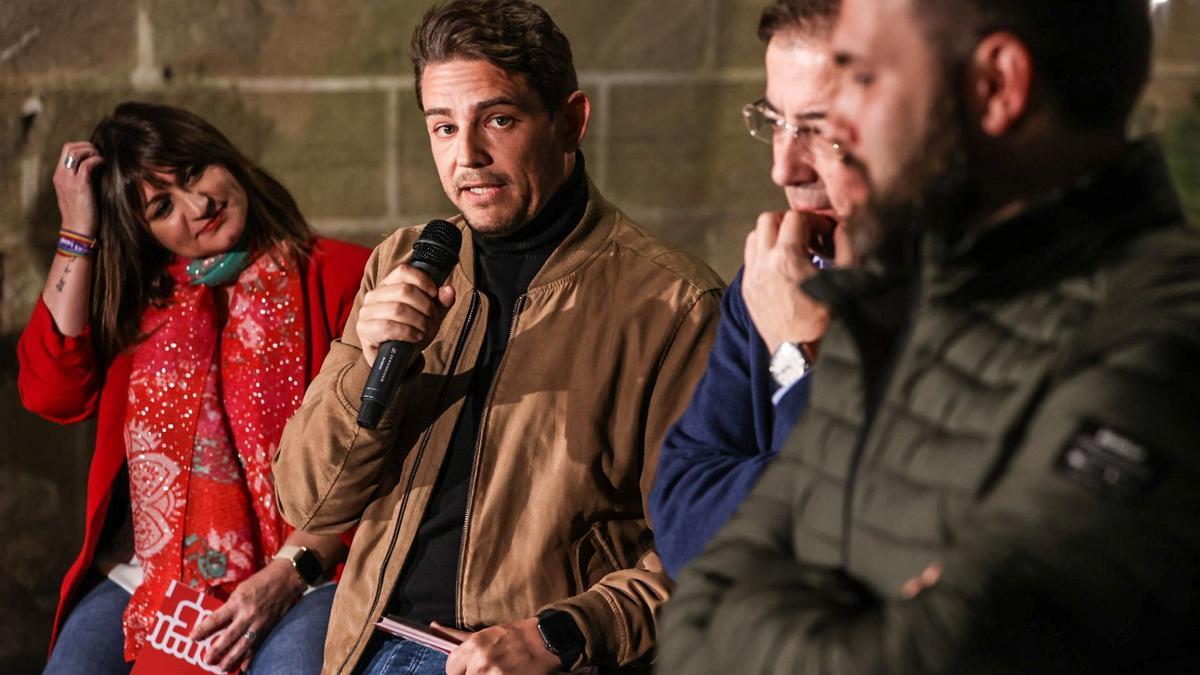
<point x="502" y="494"/>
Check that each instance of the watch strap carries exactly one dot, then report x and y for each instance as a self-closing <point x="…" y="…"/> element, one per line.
<point x="562" y="636"/>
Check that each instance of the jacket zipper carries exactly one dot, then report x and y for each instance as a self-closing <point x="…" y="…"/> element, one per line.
<point x="462" y="547"/>
<point x="472" y="310"/>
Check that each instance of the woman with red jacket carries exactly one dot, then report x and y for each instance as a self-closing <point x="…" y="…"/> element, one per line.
<point x="187" y="308"/>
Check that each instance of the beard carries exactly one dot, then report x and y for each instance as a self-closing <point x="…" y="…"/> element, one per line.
<point x="935" y="191"/>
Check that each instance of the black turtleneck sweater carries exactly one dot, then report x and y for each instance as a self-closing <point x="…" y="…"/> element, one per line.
<point x="504" y="266"/>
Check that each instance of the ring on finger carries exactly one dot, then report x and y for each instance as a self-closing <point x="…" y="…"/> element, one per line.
<point x="70" y="162"/>
<point x="250" y="634"/>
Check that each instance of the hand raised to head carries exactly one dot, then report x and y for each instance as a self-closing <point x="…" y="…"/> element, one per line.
<point x="73" y="187"/>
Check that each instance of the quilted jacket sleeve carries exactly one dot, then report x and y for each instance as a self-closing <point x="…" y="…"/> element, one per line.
<point x="1050" y="574"/>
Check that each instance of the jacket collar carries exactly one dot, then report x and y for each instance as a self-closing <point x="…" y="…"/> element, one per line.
<point x="1062" y="233"/>
<point x="595" y="228"/>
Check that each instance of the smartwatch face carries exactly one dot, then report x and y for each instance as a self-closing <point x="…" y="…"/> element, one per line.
<point x="308" y="567"/>
<point x="561" y="635"/>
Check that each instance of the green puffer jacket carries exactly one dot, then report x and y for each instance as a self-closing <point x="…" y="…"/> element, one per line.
<point x="1037" y="435"/>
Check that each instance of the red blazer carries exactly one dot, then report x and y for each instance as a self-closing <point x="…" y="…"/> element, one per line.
<point x="60" y="380"/>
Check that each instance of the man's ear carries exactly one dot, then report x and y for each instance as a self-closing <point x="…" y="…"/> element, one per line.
<point x="577" y="111"/>
<point x="1000" y="76"/>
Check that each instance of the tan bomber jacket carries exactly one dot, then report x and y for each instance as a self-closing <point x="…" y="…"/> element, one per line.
<point x="604" y="351"/>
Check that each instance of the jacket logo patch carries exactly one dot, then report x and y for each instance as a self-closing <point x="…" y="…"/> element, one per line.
<point x="1110" y="463"/>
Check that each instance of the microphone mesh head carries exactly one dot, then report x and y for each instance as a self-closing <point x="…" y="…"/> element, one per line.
<point x="438" y="245"/>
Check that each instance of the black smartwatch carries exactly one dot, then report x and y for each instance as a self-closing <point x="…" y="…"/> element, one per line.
<point x="306" y="562"/>
<point x="562" y="636"/>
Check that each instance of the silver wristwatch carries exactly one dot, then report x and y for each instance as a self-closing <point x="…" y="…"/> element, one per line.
<point x="789" y="363"/>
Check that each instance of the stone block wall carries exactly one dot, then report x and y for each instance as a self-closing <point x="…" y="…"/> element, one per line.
<point x="320" y="93"/>
<point x="1171" y="106"/>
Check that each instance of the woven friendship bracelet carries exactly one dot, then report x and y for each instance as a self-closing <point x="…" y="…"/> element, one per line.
<point x="75" y="245"/>
<point x="81" y="238"/>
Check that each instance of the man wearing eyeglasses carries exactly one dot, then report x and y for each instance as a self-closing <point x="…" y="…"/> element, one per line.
<point x="756" y="386"/>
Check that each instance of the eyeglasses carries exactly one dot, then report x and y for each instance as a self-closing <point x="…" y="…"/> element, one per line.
<point x="764" y="123"/>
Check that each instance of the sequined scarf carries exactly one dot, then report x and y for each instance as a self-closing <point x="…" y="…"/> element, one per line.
<point x="206" y="409"/>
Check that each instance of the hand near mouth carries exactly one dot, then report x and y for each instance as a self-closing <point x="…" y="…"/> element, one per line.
<point x="777" y="260"/>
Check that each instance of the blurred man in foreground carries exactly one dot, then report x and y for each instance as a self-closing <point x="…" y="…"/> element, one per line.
<point x="1011" y="483"/>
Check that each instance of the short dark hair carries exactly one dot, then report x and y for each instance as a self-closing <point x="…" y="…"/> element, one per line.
<point x="807" y="16"/>
<point x="1092" y="57"/>
<point x="514" y="35"/>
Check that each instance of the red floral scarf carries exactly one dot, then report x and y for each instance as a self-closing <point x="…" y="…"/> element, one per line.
<point x="206" y="410"/>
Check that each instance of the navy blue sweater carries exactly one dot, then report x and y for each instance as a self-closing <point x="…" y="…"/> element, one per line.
<point x="714" y="454"/>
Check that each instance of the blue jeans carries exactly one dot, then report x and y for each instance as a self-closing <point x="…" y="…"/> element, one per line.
<point x="389" y="655"/>
<point x="93" y="641"/>
<point x="297" y="643"/>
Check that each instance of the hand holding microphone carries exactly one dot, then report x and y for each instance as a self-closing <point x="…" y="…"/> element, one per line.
<point x="402" y="315"/>
<point x="406" y="307"/>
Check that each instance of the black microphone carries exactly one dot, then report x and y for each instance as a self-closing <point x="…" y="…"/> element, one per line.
<point x="434" y="253"/>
